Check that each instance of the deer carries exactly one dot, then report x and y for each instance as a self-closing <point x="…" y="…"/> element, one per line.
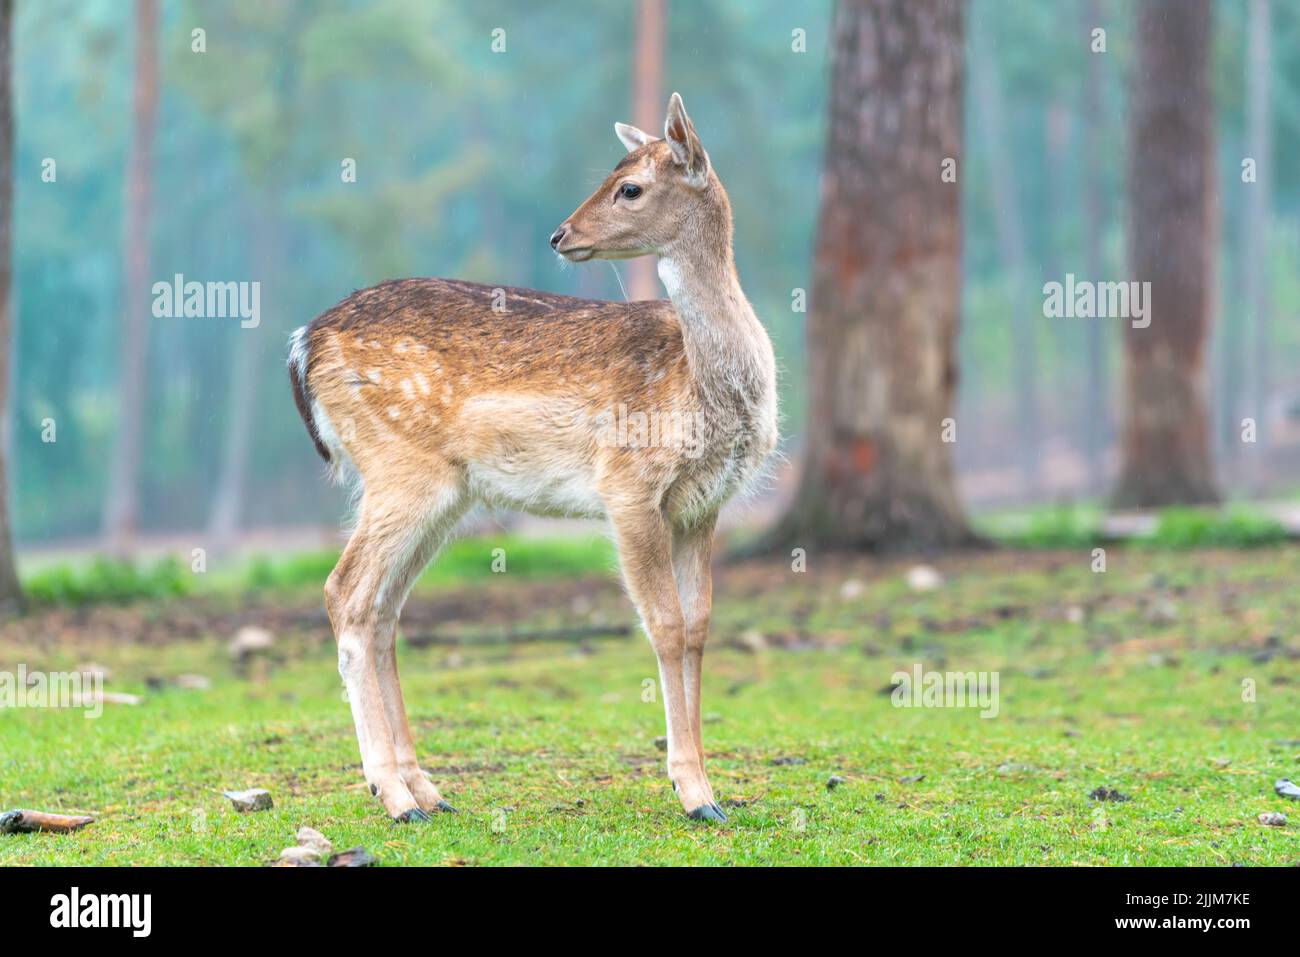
<point x="433" y="395"/>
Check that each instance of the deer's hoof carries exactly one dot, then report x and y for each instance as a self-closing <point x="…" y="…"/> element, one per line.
<point x="446" y="808"/>
<point x="708" y="812"/>
<point x="413" y="816"/>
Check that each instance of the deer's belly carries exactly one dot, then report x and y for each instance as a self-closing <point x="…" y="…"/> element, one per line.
<point x="539" y="488"/>
<point x="529" y="453"/>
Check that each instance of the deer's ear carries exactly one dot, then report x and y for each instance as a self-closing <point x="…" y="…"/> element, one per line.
<point x="680" y="133"/>
<point x="631" y="137"/>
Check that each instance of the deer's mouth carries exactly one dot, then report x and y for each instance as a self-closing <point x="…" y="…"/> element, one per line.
<point x="577" y="254"/>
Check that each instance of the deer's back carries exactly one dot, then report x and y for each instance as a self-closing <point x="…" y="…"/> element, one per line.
<point x="500" y="327"/>
<point x="505" y="384"/>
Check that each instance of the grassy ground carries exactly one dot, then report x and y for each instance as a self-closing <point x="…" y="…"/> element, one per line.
<point x="1130" y="679"/>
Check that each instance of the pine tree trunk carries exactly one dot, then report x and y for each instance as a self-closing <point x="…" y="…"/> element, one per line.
<point x="11" y="595"/>
<point x="121" y="512"/>
<point x="1013" y="252"/>
<point x="1260" y="144"/>
<point x="648" y="105"/>
<point x="228" y="501"/>
<point x="1173" y="225"/>
<point x="882" y="330"/>
<point x="1096" y="412"/>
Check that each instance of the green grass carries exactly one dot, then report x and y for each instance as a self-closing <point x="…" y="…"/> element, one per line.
<point x="1130" y="679"/>
<point x="1076" y="526"/>
<point x="102" y="580"/>
<point x="1234" y="528"/>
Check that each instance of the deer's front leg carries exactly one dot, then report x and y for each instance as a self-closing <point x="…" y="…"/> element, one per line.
<point x="692" y="551"/>
<point x="645" y="553"/>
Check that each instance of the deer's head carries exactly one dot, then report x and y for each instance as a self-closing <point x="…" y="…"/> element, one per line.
<point x="663" y="195"/>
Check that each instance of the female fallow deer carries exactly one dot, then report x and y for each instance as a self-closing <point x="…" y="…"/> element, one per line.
<point x="439" y="393"/>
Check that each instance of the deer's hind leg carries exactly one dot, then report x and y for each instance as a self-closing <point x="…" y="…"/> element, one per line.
<point x="398" y="530"/>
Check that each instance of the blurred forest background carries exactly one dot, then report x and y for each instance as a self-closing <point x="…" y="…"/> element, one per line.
<point x="224" y="165"/>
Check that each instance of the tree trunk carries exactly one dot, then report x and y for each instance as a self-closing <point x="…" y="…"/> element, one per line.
<point x="1173" y="222"/>
<point x="121" y="513"/>
<point x="1259" y="143"/>
<point x="11" y="594"/>
<point x="648" y="104"/>
<point x="232" y="480"/>
<point x="1096" y="412"/>
<point x="882" y="331"/>
<point x="1013" y="252"/>
<point x="1233" y="328"/>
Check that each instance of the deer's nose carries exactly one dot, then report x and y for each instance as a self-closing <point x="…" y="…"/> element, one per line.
<point x="556" y="237"/>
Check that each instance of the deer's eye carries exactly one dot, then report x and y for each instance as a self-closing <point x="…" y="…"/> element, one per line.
<point x="629" y="191"/>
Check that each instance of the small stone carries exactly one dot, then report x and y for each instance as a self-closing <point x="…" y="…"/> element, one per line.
<point x="851" y="589"/>
<point x="1162" y="611"/>
<point x="93" y="671"/>
<point x="753" y="640"/>
<point x="924" y="578"/>
<point x="1286" y="789"/>
<point x="119" y="697"/>
<point x="193" y="682"/>
<point x="249" y="640"/>
<point x="1273" y="819"/>
<point x="254" y="799"/>
<point x="835" y="781"/>
<point x="661" y="743"/>
<point x="299" y="856"/>
<point x="356" y="857"/>
<point x="1108" y="794"/>
<point x="314" y="839"/>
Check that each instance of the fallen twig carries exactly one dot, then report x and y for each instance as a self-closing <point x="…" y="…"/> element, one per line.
<point x="25" y="822"/>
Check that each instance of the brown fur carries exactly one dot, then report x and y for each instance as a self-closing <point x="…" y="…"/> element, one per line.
<point x="441" y="393"/>
<point x="446" y="333"/>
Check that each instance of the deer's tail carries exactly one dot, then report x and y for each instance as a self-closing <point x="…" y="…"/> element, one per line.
<point x="299" y="355"/>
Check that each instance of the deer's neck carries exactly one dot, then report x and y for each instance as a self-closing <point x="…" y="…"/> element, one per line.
<point x="727" y="347"/>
